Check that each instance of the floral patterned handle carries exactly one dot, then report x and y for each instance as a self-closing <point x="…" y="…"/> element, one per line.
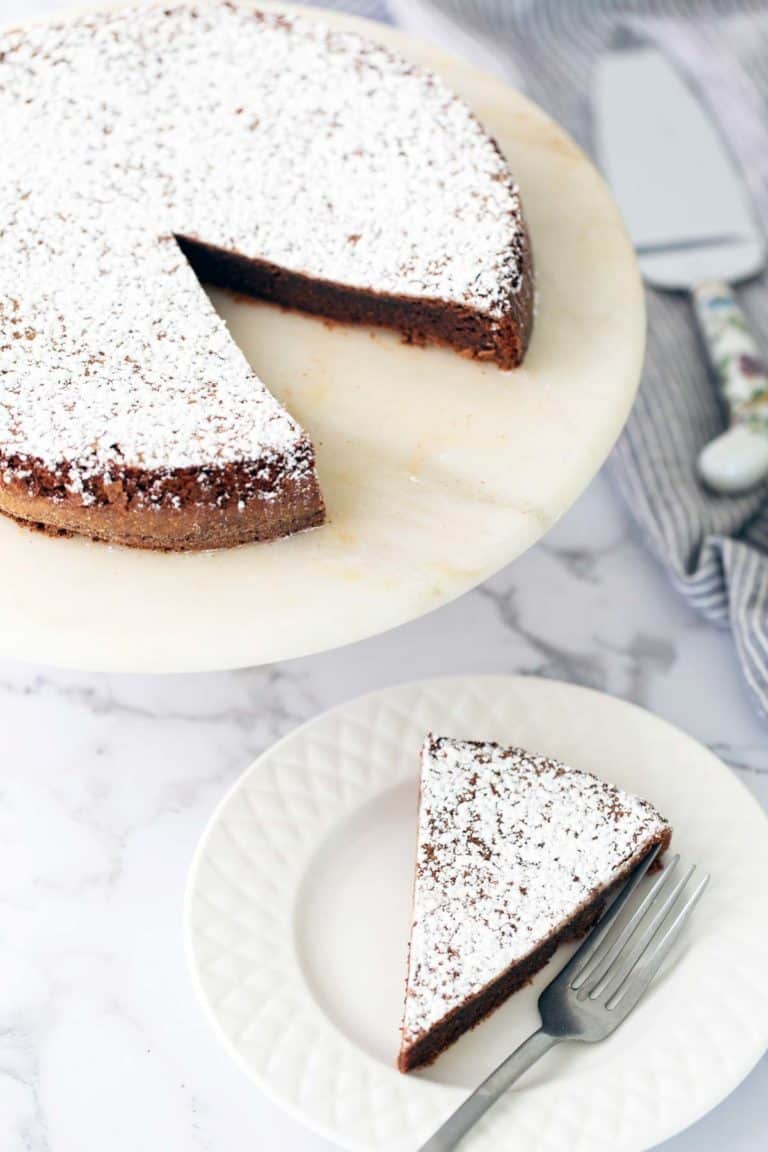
<point x="737" y="461"/>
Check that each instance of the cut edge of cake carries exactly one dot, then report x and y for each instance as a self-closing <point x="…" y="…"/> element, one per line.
<point x="427" y="1030"/>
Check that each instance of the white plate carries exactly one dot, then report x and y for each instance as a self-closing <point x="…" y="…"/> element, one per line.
<point x="437" y="470"/>
<point x="298" y="912"/>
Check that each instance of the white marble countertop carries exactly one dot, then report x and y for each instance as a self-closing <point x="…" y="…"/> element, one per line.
<point x="107" y="783"/>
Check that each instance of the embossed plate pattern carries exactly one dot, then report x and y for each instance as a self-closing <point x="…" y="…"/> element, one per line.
<point x="298" y="912"/>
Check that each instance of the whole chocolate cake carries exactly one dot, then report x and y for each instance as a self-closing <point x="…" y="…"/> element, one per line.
<point x="148" y="147"/>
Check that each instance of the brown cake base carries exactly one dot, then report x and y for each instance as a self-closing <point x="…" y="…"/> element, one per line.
<point x="186" y="511"/>
<point x="433" y="1043"/>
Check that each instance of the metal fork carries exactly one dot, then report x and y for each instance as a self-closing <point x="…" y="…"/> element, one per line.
<point x="599" y="986"/>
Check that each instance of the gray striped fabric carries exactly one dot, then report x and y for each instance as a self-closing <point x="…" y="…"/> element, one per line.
<point x="714" y="548"/>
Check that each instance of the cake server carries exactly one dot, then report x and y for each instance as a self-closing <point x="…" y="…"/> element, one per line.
<point x="598" y="987"/>
<point x="694" y="230"/>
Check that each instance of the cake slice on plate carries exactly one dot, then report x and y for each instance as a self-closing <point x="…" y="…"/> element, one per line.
<point x="516" y="853"/>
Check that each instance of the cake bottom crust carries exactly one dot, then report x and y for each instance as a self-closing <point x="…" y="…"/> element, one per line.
<point x="426" y="1049"/>
<point x="193" y="527"/>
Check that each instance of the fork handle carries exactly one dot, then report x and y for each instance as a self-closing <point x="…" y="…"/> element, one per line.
<point x="476" y="1105"/>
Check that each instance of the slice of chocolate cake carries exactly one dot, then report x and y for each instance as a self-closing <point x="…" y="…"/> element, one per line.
<point x="516" y="853"/>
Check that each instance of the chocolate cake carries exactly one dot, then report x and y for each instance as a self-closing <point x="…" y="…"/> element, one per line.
<point x="147" y="148"/>
<point x="516" y="854"/>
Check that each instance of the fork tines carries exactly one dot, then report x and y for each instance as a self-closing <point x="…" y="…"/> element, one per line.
<point x="617" y="962"/>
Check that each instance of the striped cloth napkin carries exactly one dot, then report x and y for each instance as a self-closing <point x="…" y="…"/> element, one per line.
<point x="715" y="549"/>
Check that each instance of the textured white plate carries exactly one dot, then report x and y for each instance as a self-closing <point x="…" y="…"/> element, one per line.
<point x="437" y="471"/>
<point x="298" y="912"/>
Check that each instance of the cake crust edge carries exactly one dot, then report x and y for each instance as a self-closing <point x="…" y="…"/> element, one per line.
<point x="188" y="515"/>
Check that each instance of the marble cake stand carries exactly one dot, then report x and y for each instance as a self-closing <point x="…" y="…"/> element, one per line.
<point x="437" y="471"/>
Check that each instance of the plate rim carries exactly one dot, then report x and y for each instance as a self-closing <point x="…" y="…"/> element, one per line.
<point x="434" y="1088"/>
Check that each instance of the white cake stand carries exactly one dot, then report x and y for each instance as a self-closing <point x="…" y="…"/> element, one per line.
<point x="437" y="471"/>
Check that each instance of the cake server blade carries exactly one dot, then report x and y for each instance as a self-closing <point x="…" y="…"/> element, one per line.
<point x="693" y="227"/>
<point x="684" y="200"/>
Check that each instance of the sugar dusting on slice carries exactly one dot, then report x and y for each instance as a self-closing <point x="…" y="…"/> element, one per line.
<point x="278" y="139"/>
<point x="510" y="845"/>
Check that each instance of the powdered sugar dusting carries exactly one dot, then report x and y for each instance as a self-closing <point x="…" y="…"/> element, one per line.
<point x="510" y="846"/>
<point x="281" y="140"/>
